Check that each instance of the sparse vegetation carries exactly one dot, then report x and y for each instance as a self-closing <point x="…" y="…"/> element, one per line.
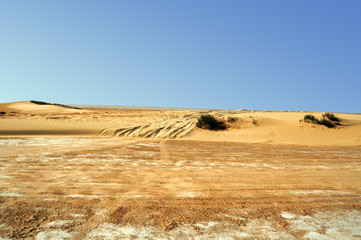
<point x="326" y="123"/>
<point x="309" y="117"/>
<point x="210" y="122"/>
<point x="328" y="119"/>
<point x="231" y="119"/>
<point x="239" y="122"/>
<point x="331" y="117"/>
<point x="2" y="113"/>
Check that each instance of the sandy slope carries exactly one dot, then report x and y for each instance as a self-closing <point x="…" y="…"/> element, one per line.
<point x="36" y="107"/>
<point x="284" y="127"/>
<point x="33" y="119"/>
<point x="30" y="119"/>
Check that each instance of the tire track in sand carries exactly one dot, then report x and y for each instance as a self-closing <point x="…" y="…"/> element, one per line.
<point x="164" y="154"/>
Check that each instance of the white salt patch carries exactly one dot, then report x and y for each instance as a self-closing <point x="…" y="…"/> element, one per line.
<point x="147" y="144"/>
<point x="59" y="223"/>
<point x="196" y="163"/>
<point x="11" y="141"/>
<point x="329" y="225"/>
<point x="142" y="196"/>
<point x="242" y="235"/>
<point x="5" y="177"/>
<point x="306" y="223"/>
<point x="270" y="166"/>
<point x="68" y="167"/>
<point x="46" y="154"/>
<point x="4" y="226"/>
<point x="207" y="225"/>
<point x="75" y="215"/>
<point x="120" y="160"/>
<point x="238" y="164"/>
<point x="21" y="158"/>
<point x="78" y="196"/>
<point x="10" y="194"/>
<point x="53" y="235"/>
<point x="101" y="212"/>
<point x="111" y="231"/>
<point x="209" y="230"/>
<point x="233" y="217"/>
<point x="316" y="236"/>
<point x="264" y="229"/>
<point x="50" y="199"/>
<point x="288" y="215"/>
<point x="180" y="163"/>
<point x="188" y="233"/>
<point x="128" y="230"/>
<point x="188" y="194"/>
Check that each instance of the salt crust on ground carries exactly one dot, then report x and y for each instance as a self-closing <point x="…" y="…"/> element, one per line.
<point x="323" y="225"/>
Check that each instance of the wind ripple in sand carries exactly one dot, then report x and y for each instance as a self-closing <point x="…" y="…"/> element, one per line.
<point x="169" y="128"/>
<point x="161" y="129"/>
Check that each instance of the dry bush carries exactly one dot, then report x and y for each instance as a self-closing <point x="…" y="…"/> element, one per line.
<point x="328" y="119"/>
<point x="210" y="122"/>
<point x="238" y="123"/>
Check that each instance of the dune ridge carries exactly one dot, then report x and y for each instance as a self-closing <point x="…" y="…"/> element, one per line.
<point x="53" y="104"/>
<point x="36" y="118"/>
<point x="33" y="106"/>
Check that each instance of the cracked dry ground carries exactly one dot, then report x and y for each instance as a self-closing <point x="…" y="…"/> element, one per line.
<point x="106" y="188"/>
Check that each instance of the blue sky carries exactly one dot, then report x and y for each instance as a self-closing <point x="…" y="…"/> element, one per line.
<point x="256" y="54"/>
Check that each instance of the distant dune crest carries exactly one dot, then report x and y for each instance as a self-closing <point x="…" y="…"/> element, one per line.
<point x="53" y="104"/>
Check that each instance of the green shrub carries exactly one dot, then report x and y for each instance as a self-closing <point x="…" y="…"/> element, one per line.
<point x="328" y="119"/>
<point x="326" y="123"/>
<point x="331" y="117"/>
<point x="209" y="122"/>
<point x="310" y="117"/>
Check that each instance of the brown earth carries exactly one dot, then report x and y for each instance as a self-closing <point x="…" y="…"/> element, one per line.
<point x="86" y="182"/>
<point x="69" y="173"/>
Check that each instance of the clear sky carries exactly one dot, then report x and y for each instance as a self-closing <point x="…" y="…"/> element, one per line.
<point x="254" y="54"/>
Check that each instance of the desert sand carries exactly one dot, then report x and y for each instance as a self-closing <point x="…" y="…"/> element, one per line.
<point x="141" y="173"/>
<point x="32" y="119"/>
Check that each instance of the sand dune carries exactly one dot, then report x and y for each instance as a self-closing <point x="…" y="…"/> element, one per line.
<point x="33" y="118"/>
<point x="285" y="127"/>
<point x="36" y="107"/>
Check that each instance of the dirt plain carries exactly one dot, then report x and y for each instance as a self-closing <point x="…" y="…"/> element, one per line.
<point x="74" y="188"/>
<point x="132" y="187"/>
